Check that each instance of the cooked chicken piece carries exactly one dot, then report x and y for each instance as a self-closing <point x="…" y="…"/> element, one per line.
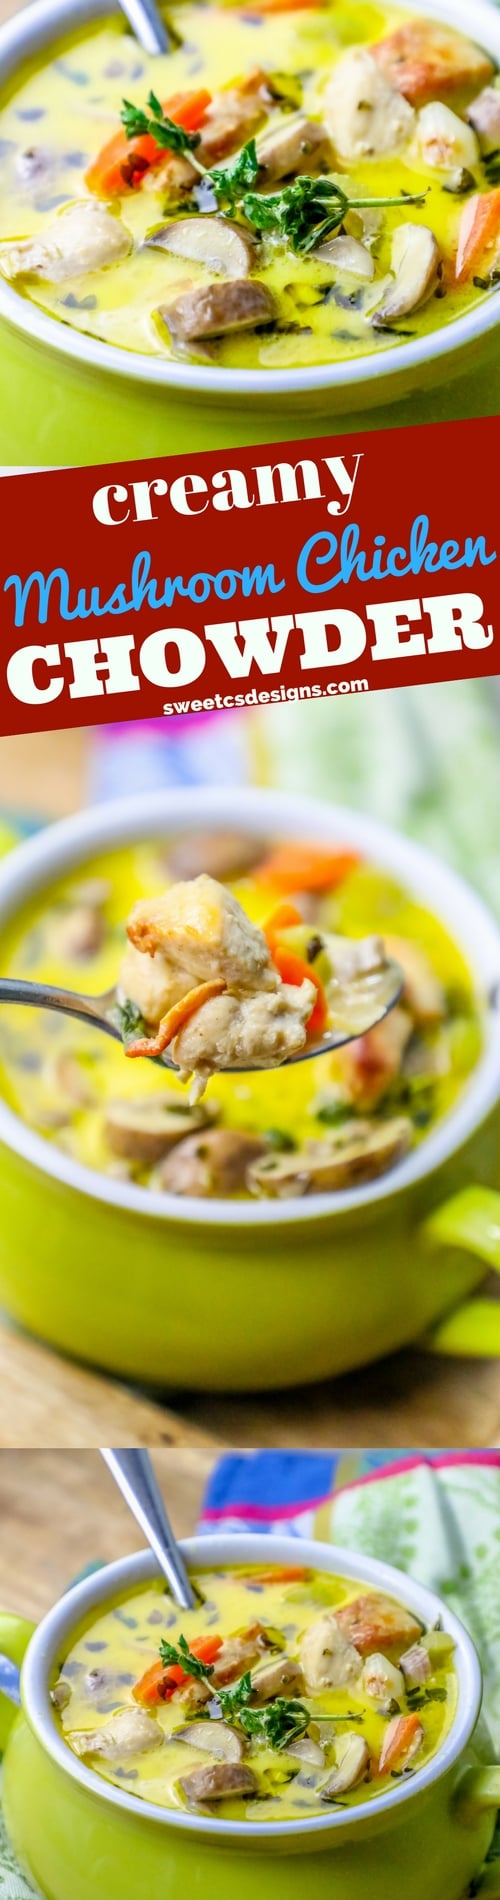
<point x="199" y="927"/>
<point x="364" y="114"/>
<point x="215" y="1162"/>
<point x="423" y="993"/>
<point x="174" y="177"/>
<point x="146" y="1129"/>
<point x="281" y="1678"/>
<point x="215" y="242"/>
<point x="347" y="254"/>
<point x="258" y="1031"/>
<point x="221" y="854"/>
<point x="373" y="1622"/>
<point x="356" y="1152"/>
<point x="367" y="1066"/>
<point x="416" y="262"/>
<point x="131" y="1732"/>
<point x="416" y="1664"/>
<point x="215" y="311"/>
<point x="193" y="1695"/>
<point x="238" y="1654"/>
<point x="215" y="1738"/>
<point x="217" y="1782"/>
<point x="296" y="144"/>
<point x="443" y="140"/>
<point x="233" y="117"/>
<point x="424" y="58"/>
<point x="484" y="116"/>
<point x="329" y="1660"/>
<point x="78" y="934"/>
<point x="151" y="982"/>
<point x="60" y="1695"/>
<point x="353" y="1760"/>
<point x="83" y="237"/>
<point x="381" y="1680"/>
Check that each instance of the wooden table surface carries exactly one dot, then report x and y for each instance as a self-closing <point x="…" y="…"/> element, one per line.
<point x="60" y="1511"/>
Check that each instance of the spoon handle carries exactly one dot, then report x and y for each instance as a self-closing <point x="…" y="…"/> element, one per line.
<point x="147" y="24"/>
<point x="67" y="1002"/>
<point x="133" y="1473"/>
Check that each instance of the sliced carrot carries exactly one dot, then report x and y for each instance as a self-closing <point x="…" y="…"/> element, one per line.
<point x="401" y="1739"/>
<point x="280" y="6"/>
<point x="293" y="969"/>
<point x="306" y="867"/>
<point x="159" y="1683"/>
<point x="479" y="225"/>
<point x="281" y="1573"/>
<point x="176" y="1018"/>
<point x="122" y="162"/>
<point x="282" y="918"/>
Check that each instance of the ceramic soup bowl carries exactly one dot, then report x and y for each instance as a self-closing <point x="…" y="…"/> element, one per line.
<point x="130" y="1279"/>
<point x="78" y="1835"/>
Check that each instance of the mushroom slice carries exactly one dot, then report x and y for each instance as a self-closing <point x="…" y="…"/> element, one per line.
<point x="212" y="1162"/>
<point x="347" y="254"/>
<point x="297" y="144"/>
<point x="60" y="1695"/>
<point x="217" y="311"/>
<point x="416" y="1664"/>
<point x="424" y="58"/>
<point x="216" y="242"/>
<point x="415" y="259"/>
<point x="353" y="1760"/>
<point x="484" y="116"/>
<point x="131" y="1732"/>
<point x="215" y="1738"/>
<point x="374" y="1620"/>
<point x="79" y="932"/>
<point x="220" y="854"/>
<point x="443" y="140"/>
<point x="381" y="1680"/>
<point x="358" y="1151"/>
<point x="84" y="237"/>
<point x="217" y="1782"/>
<point x="365" y="115"/>
<point x="281" y="1678"/>
<point x="307" y="1750"/>
<point x="423" y="992"/>
<point x="145" y="1129"/>
<point x="329" y="1660"/>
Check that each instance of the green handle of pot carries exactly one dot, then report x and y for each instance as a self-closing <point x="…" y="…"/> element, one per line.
<point x="15" y="1634"/>
<point x="470" y="1220"/>
<point x="489" y="1886"/>
<point x="478" y="1793"/>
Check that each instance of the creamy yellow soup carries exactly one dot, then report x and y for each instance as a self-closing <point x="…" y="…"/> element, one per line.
<point x="61" y="111"/>
<point x="132" y="1120"/>
<point x="320" y="1694"/>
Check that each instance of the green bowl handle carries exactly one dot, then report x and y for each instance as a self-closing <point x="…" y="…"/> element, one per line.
<point x="478" y="1793"/>
<point x="470" y="1220"/>
<point x="15" y="1634"/>
<point x="489" y="1885"/>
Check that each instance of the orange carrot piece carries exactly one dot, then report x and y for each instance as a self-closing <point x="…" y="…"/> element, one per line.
<point x="122" y="162"/>
<point x="176" y="1018"/>
<point x="402" y="1737"/>
<point x="282" y="918"/>
<point x="306" y="867"/>
<point x="293" y="969"/>
<point x="280" y="6"/>
<point x="281" y="1573"/>
<point x="479" y="225"/>
<point x="160" y="1682"/>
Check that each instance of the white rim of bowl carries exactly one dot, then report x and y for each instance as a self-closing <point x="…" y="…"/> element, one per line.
<point x="62" y="847"/>
<point x="35" y="28"/>
<point x="201" y="1552"/>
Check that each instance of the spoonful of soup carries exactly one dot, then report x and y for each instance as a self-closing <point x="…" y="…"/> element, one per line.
<point x="204" y="990"/>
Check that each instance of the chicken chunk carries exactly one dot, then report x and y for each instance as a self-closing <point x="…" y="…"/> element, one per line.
<point x="259" y="1031"/>
<point x="484" y="116"/>
<point x="365" y="114"/>
<point x="357" y="1152"/>
<point x="215" y="1162"/>
<point x="381" y="1680"/>
<point x="233" y="117"/>
<point x="238" y="1654"/>
<point x="367" y="1067"/>
<point x="84" y="237"/>
<point x="151" y="982"/>
<point x="329" y="1659"/>
<point x="131" y="1732"/>
<point x="199" y="927"/>
<point x="424" y="59"/>
<point x="281" y="1678"/>
<point x="197" y="315"/>
<point x="416" y="1664"/>
<point x="297" y="144"/>
<point x="217" y="1782"/>
<point x="443" y="140"/>
<point x="374" y="1622"/>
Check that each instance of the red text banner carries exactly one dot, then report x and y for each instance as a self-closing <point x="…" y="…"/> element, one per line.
<point x="323" y="568"/>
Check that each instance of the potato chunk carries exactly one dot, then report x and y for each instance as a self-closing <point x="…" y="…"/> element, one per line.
<point x="424" y="58"/>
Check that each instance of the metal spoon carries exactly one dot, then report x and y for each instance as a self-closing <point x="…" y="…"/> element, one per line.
<point x="134" y="1475"/>
<point x="147" y="24"/>
<point x="380" y="991"/>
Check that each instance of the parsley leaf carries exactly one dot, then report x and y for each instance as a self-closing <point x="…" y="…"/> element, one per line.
<point x="191" y="1664"/>
<point x="278" y="1723"/>
<point x="229" y="182"/>
<point x="417" y="1698"/>
<point x="129" y="1021"/>
<point x="157" y="125"/>
<point x="310" y="210"/>
<point x="232" y="1701"/>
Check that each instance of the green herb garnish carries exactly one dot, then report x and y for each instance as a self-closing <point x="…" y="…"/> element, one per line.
<point x="417" y="1698"/>
<point x="230" y="182"/>
<point x="279" y="1723"/>
<point x="183" y="1654"/>
<point x="156" y="124"/>
<point x="129" y="1021"/>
